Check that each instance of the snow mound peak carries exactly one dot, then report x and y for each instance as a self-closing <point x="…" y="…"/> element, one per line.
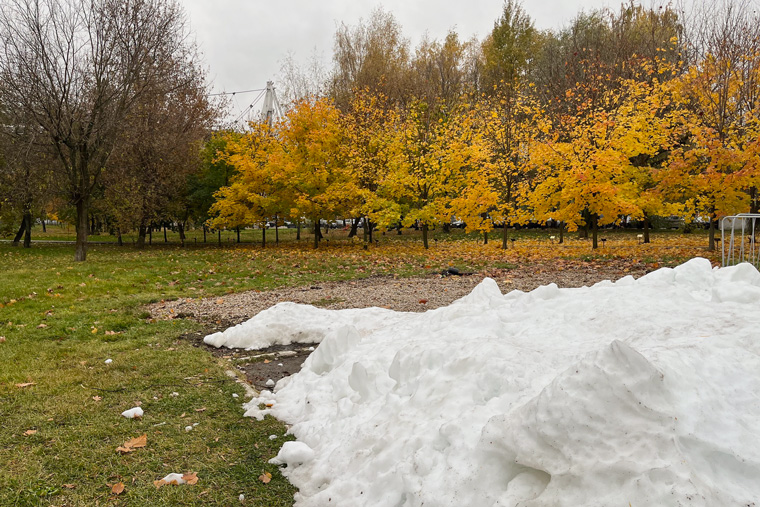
<point x="639" y="391"/>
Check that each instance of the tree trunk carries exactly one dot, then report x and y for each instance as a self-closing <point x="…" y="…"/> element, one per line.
<point x="219" y="237"/>
<point x="447" y="228"/>
<point x="20" y="233"/>
<point x="166" y="239"/>
<point x="276" y="230"/>
<point x="754" y="205"/>
<point x="204" y="233"/>
<point x="354" y="227"/>
<point x="594" y="230"/>
<point x="150" y="235"/>
<point x="711" y="241"/>
<point x="369" y="226"/>
<point x="44" y="227"/>
<point x="561" y="232"/>
<point x="425" y="235"/>
<point x="28" y="229"/>
<point x="83" y="209"/>
<point x="504" y="237"/>
<point x="298" y="230"/>
<point x="264" y="235"/>
<point x="317" y="233"/>
<point x="119" y="240"/>
<point x="182" y="238"/>
<point x="237" y="230"/>
<point x="646" y="229"/>
<point x="485" y="237"/>
<point x="141" y="232"/>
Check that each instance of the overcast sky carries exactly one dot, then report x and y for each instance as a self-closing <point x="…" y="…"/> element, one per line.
<point x="245" y="41"/>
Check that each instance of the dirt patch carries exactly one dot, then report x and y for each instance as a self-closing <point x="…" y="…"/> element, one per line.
<point x="406" y="294"/>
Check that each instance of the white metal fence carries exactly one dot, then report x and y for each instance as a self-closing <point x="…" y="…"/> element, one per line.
<point x="738" y="239"/>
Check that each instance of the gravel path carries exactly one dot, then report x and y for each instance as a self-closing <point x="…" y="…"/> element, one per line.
<point x="402" y="294"/>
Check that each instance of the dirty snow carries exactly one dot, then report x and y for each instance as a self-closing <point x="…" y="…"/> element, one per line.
<point x="636" y="391"/>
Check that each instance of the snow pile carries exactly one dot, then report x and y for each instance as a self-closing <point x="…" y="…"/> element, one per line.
<point x="639" y="391"/>
<point x="287" y="323"/>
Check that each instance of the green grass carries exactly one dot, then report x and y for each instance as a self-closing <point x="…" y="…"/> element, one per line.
<point x="61" y="320"/>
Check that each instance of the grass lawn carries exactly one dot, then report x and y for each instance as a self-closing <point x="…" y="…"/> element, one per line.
<point x="61" y="320"/>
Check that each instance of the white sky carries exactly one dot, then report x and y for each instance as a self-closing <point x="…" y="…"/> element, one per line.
<point x="245" y="41"/>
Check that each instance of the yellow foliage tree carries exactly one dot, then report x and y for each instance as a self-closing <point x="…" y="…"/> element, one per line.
<point x="434" y="150"/>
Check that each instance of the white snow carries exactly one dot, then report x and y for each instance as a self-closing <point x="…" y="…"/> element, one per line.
<point x="133" y="412"/>
<point x="640" y="392"/>
<point x="293" y="453"/>
<point x="287" y="323"/>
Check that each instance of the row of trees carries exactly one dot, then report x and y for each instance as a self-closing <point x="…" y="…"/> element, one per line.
<point x="624" y="114"/>
<point x="635" y="112"/>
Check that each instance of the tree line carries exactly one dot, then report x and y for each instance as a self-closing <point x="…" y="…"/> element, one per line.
<point x="622" y="114"/>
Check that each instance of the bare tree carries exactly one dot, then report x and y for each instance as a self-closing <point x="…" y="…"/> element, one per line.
<point x="76" y="68"/>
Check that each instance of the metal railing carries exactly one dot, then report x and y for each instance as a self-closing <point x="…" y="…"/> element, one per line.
<point x="738" y="239"/>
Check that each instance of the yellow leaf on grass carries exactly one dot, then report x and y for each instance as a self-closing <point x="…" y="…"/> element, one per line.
<point x="135" y="443"/>
<point x="30" y="432"/>
<point x="265" y="477"/>
<point x="118" y="488"/>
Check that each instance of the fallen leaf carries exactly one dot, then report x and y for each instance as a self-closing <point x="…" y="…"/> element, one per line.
<point x="96" y="398"/>
<point x="191" y="478"/>
<point x="267" y="361"/>
<point x="94" y="330"/>
<point x="30" y="432"/>
<point x="26" y="384"/>
<point x="69" y="486"/>
<point x="202" y="409"/>
<point x="265" y="477"/>
<point x="42" y="326"/>
<point x="135" y="443"/>
<point x="423" y="301"/>
<point x="118" y="488"/>
<point x="2" y="339"/>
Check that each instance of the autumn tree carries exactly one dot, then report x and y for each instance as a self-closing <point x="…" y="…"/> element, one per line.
<point x="369" y="126"/>
<point x="76" y="69"/>
<point x="24" y="179"/>
<point x="372" y="55"/>
<point x="433" y="151"/>
<point x="721" y="91"/>
<point x="159" y="147"/>
<point x="255" y="193"/>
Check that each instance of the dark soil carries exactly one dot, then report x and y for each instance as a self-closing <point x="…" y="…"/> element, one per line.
<point x="259" y="366"/>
